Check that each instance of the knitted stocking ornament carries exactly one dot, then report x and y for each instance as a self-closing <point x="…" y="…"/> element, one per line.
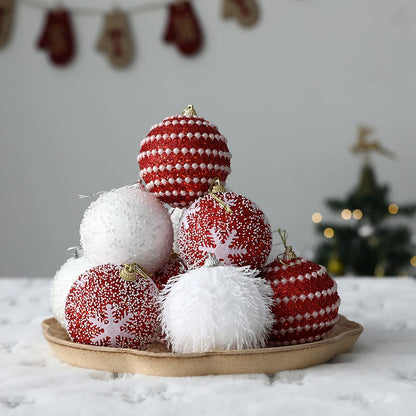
<point x="245" y="11"/>
<point x="116" y="39"/>
<point x="6" y="19"/>
<point x="183" y="28"/>
<point x="57" y="37"/>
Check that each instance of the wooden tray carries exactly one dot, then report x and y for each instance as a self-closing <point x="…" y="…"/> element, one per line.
<point x="158" y="361"/>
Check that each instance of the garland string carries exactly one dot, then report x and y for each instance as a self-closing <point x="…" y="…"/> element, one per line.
<point x="89" y="11"/>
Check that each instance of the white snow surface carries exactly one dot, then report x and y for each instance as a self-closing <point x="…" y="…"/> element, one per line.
<point x="378" y="377"/>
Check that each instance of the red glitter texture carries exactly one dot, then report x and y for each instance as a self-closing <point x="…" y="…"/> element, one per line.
<point x="242" y="238"/>
<point x="103" y="309"/>
<point x="306" y="301"/>
<point x="172" y="268"/>
<point x="179" y="158"/>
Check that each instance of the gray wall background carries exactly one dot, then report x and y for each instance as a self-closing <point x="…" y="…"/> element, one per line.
<point x="288" y="94"/>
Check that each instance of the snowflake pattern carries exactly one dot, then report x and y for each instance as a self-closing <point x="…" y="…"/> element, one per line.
<point x="223" y="251"/>
<point x="229" y="199"/>
<point x="193" y="209"/>
<point x="242" y="238"/>
<point x="103" y="309"/>
<point x="111" y="328"/>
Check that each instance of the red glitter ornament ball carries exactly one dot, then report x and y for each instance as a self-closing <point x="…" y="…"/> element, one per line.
<point x="103" y="309"/>
<point x="306" y="301"/>
<point x="173" y="267"/>
<point x="242" y="237"/>
<point x="180" y="156"/>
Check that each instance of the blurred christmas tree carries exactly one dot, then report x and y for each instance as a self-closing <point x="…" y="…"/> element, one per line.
<point x="365" y="245"/>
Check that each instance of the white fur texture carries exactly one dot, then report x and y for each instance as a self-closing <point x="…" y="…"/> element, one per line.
<point x="62" y="282"/>
<point x="216" y="308"/>
<point x="127" y="225"/>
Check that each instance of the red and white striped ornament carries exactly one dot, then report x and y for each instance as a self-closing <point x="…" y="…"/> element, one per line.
<point x="306" y="301"/>
<point x="104" y="309"/>
<point x="180" y="156"/>
<point x="227" y="225"/>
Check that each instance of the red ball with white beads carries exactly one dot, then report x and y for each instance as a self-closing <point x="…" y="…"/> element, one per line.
<point x="103" y="309"/>
<point x="180" y="156"/>
<point x="241" y="237"/>
<point x="173" y="267"/>
<point x="306" y="301"/>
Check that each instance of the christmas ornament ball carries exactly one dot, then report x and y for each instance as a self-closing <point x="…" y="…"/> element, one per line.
<point x="127" y="225"/>
<point x="306" y="301"/>
<point x="104" y="309"/>
<point x="180" y="156"/>
<point x="62" y="282"/>
<point x="176" y="215"/>
<point x="228" y="225"/>
<point x="216" y="308"/>
<point x="172" y="268"/>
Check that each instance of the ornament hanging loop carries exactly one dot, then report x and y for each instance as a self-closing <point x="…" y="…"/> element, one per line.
<point x="289" y="253"/>
<point x="215" y="188"/>
<point x="211" y="261"/>
<point x="130" y="271"/>
<point x="189" y="111"/>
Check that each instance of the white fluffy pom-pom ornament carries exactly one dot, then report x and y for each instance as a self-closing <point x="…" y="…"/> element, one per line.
<point x="216" y="308"/>
<point x="127" y="225"/>
<point x="62" y="282"/>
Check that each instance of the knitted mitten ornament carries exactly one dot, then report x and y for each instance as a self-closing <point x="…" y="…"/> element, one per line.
<point x="245" y="11"/>
<point x="57" y="37"/>
<point x="183" y="28"/>
<point x="116" y="39"/>
<point x="6" y="19"/>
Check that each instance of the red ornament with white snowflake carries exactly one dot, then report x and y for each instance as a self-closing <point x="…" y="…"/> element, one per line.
<point x="181" y="156"/>
<point x="306" y="300"/>
<point x="228" y="225"/>
<point x="173" y="267"/>
<point x="104" y="309"/>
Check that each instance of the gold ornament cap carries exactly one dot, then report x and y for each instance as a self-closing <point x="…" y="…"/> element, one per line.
<point x="189" y="111"/>
<point x="289" y="253"/>
<point x="130" y="271"/>
<point x="215" y="188"/>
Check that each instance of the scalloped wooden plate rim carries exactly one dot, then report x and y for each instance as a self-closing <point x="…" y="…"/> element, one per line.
<point x="355" y="329"/>
<point x="158" y="361"/>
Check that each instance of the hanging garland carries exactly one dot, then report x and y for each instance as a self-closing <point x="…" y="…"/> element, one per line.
<point x="57" y="37"/>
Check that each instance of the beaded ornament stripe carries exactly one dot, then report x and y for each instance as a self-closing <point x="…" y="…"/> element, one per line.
<point x="180" y="147"/>
<point x="306" y="301"/>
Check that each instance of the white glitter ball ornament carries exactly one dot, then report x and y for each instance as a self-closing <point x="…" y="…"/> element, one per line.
<point x="127" y="225"/>
<point x="62" y="282"/>
<point x="216" y="308"/>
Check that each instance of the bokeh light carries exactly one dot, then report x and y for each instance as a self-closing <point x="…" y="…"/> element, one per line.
<point x="357" y="214"/>
<point x="329" y="232"/>
<point x="316" y="217"/>
<point x="393" y="209"/>
<point x="346" y="214"/>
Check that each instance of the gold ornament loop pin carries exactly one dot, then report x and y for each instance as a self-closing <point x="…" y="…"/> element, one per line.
<point x="130" y="271"/>
<point x="215" y="188"/>
<point x="289" y="253"/>
<point x="189" y="111"/>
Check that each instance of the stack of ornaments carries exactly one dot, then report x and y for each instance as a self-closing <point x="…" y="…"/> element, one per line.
<point x="181" y="260"/>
